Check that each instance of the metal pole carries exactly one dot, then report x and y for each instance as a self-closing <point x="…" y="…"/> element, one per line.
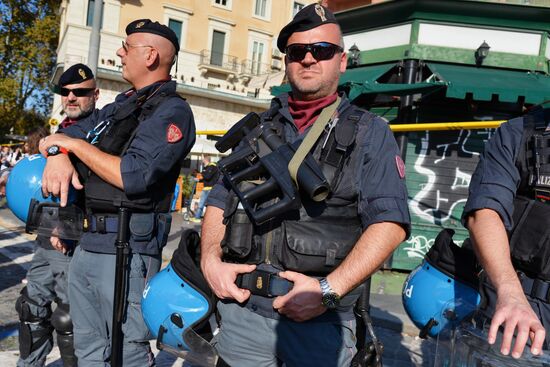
<point x="121" y="278"/>
<point x="93" y="51"/>
<point x="405" y="114"/>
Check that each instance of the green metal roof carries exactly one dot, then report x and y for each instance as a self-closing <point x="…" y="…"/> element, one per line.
<point x="454" y="11"/>
<point x="458" y="80"/>
<point x="363" y="80"/>
<point x="483" y="83"/>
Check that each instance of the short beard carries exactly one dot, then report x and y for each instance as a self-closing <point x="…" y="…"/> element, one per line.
<point x="77" y="115"/>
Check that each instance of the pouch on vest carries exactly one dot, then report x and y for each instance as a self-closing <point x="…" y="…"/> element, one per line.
<point x="142" y="226"/>
<point x="530" y="238"/>
<point x="316" y="248"/>
<point x="238" y="238"/>
<point x="164" y="223"/>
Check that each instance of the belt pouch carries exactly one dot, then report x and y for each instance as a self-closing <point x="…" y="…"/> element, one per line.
<point x="237" y="242"/>
<point x="164" y="223"/>
<point x="142" y="226"/>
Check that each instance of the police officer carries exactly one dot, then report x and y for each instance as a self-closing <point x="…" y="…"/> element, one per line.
<point x="47" y="275"/>
<point x="301" y="270"/>
<point x="130" y="154"/>
<point x="507" y="215"/>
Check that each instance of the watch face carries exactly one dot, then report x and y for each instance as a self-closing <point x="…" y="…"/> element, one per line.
<point x="53" y="150"/>
<point x="331" y="300"/>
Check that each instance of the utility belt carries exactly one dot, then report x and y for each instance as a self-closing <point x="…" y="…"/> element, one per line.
<point x="535" y="288"/>
<point x="143" y="226"/>
<point x="264" y="283"/>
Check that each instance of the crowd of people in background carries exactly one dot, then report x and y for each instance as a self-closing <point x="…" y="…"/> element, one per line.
<point x="13" y="153"/>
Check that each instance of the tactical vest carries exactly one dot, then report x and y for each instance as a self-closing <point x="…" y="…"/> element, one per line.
<point x="315" y="238"/>
<point x="530" y="235"/>
<point x="102" y="197"/>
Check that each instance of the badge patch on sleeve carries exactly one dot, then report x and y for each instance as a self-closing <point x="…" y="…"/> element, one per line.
<point x="400" y="166"/>
<point x="173" y="134"/>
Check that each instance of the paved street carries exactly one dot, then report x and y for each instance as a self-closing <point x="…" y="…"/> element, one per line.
<point x="402" y="348"/>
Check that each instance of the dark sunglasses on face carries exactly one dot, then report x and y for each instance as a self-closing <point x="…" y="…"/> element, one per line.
<point x="78" y="92"/>
<point x="320" y="51"/>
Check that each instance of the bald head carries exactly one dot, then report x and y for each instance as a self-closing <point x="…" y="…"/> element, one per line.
<point x="165" y="48"/>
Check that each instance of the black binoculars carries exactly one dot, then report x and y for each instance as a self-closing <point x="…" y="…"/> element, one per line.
<point x="262" y="158"/>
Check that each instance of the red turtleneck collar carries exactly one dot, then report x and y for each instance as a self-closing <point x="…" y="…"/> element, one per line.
<point x="67" y="122"/>
<point x="305" y="113"/>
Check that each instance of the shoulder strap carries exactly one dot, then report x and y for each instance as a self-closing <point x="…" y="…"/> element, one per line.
<point x="328" y="114"/>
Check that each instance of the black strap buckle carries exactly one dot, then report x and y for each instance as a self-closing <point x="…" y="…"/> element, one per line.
<point x="264" y="283"/>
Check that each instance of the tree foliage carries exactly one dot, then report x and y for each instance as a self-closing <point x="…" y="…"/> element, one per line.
<point x="29" y="31"/>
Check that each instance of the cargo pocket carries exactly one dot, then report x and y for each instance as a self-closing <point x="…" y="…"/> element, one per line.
<point x="316" y="247"/>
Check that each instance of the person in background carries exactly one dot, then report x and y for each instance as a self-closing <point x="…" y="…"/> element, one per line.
<point x="210" y="175"/>
<point x="47" y="277"/>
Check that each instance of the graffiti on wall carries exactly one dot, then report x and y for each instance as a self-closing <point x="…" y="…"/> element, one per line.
<point x="445" y="163"/>
<point x="440" y="165"/>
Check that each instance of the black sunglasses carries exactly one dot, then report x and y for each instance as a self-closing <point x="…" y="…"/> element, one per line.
<point x="320" y="51"/>
<point x="79" y="92"/>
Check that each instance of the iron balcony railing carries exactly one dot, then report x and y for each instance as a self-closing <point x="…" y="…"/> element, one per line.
<point x="252" y="67"/>
<point x="219" y="60"/>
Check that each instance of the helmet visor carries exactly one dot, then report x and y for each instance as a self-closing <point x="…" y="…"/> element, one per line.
<point x="175" y="338"/>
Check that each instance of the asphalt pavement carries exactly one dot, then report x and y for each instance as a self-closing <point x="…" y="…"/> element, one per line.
<point x="402" y="347"/>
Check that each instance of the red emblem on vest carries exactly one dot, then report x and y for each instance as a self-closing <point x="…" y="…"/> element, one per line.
<point x="400" y="166"/>
<point x="173" y="134"/>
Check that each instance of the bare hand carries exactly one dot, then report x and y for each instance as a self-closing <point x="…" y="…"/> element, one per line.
<point x="303" y="302"/>
<point x="517" y="315"/>
<point x="221" y="278"/>
<point x="59" y="245"/>
<point x="58" y="174"/>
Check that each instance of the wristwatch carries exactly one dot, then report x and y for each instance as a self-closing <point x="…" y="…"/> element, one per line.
<point x="55" y="150"/>
<point x="330" y="298"/>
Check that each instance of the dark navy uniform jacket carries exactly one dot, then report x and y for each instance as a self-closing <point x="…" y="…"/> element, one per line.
<point x="496" y="178"/>
<point x="150" y="155"/>
<point x="382" y="192"/>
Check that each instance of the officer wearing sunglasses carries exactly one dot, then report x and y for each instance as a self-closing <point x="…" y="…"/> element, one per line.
<point x="47" y="277"/>
<point x="78" y="91"/>
<point x="299" y="275"/>
<point x="127" y="154"/>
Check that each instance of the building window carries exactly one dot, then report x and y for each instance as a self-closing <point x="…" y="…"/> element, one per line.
<point x="261" y="8"/>
<point x="296" y="8"/>
<point x="90" y="14"/>
<point x="218" y="44"/>
<point x="222" y="3"/>
<point x="257" y="57"/>
<point x="176" y="26"/>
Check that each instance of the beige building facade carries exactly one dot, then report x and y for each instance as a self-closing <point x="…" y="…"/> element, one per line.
<point x="228" y="58"/>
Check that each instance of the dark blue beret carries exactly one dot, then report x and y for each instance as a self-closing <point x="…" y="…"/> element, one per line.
<point x="75" y="74"/>
<point x="148" y="26"/>
<point x="311" y="16"/>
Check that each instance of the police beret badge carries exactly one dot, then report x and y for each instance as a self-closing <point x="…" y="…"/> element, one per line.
<point x="76" y="74"/>
<point x="311" y="16"/>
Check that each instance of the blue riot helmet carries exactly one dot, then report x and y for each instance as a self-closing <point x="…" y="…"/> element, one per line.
<point x="177" y="304"/>
<point x="442" y="291"/>
<point x="25" y="183"/>
<point x="435" y="301"/>
<point x="42" y="216"/>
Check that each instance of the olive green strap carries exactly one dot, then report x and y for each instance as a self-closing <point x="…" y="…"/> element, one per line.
<point x="328" y="114"/>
